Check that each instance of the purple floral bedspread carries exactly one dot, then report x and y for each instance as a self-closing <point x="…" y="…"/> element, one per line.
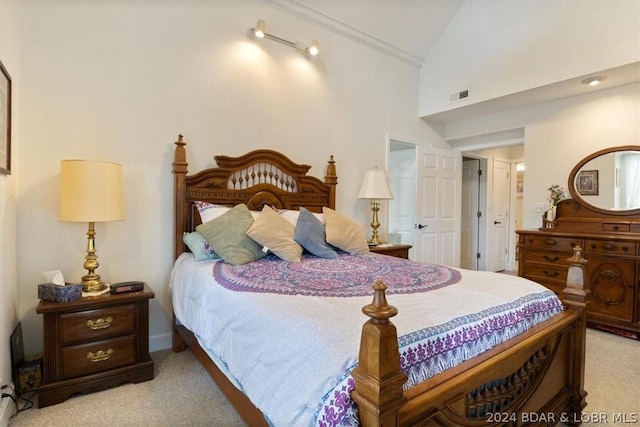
<point x="345" y="276"/>
<point x="432" y="350"/>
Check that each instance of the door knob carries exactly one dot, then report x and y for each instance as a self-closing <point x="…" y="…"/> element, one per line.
<point x="496" y="222"/>
<point x="420" y="226"/>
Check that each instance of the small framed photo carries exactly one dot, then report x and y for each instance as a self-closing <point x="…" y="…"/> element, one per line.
<point x="5" y="120"/>
<point x="587" y="183"/>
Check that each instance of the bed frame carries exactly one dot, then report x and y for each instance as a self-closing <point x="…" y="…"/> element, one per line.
<point x="536" y="378"/>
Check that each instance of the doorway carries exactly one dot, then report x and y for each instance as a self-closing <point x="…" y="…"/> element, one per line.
<point x="402" y="182"/>
<point x="499" y="207"/>
<point x="472" y="205"/>
<point x="426" y="183"/>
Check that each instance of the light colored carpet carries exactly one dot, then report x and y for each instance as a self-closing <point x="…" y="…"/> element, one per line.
<point x="183" y="394"/>
<point x="612" y="375"/>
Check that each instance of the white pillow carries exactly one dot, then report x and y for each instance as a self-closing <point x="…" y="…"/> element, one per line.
<point x="210" y="211"/>
<point x="292" y="215"/>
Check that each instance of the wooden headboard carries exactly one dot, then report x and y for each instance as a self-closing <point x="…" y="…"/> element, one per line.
<point x="258" y="178"/>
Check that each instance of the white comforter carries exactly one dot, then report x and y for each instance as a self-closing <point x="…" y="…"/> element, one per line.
<point x="285" y="352"/>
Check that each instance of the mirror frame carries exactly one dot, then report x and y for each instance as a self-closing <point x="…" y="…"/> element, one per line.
<point x="576" y="195"/>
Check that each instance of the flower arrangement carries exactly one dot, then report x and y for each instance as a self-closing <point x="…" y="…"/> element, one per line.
<point x="556" y="194"/>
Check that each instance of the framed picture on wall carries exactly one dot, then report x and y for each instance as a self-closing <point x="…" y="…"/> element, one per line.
<point x="5" y="120"/>
<point x="587" y="183"/>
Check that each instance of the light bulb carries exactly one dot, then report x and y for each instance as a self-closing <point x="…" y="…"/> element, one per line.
<point x="259" y="30"/>
<point x="313" y="50"/>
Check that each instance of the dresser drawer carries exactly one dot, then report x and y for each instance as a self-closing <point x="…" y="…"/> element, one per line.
<point x="553" y="276"/>
<point x="610" y="247"/>
<point x="609" y="226"/>
<point x="100" y="323"/>
<point x="551" y="243"/>
<point x="555" y="258"/>
<point x="98" y="356"/>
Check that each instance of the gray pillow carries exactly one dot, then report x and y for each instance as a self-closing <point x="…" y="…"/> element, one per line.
<point x="310" y="235"/>
<point x="227" y="235"/>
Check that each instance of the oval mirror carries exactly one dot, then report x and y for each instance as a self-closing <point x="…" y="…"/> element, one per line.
<point x="608" y="181"/>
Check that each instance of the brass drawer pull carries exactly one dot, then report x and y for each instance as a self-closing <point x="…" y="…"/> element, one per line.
<point x="551" y="259"/>
<point x="100" y="356"/>
<point x="552" y="274"/>
<point x="100" y="323"/>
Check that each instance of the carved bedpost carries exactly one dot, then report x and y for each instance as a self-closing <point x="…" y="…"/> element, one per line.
<point x="378" y="377"/>
<point x="180" y="182"/>
<point x="331" y="179"/>
<point x="179" y="190"/>
<point x="576" y="296"/>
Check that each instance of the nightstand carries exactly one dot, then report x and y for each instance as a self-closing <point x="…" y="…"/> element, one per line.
<point x="94" y="343"/>
<point x="398" y="251"/>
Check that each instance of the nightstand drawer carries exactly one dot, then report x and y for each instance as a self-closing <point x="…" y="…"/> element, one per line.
<point x="98" y="356"/>
<point x="100" y="323"/>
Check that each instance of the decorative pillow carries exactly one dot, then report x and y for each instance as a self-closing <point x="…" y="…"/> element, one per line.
<point x="344" y="233"/>
<point x="199" y="247"/>
<point x="227" y="236"/>
<point x="292" y="215"/>
<point x="275" y="233"/>
<point x="310" y="235"/>
<point x="209" y="211"/>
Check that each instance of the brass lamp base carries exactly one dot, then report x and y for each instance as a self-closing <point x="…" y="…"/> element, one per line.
<point x="91" y="282"/>
<point x="375" y="207"/>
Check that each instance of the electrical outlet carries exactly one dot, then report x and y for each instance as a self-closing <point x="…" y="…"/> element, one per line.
<point x="540" y="207"/>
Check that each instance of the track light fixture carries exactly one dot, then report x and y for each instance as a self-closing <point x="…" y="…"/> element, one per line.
<point x="260" y="32"/>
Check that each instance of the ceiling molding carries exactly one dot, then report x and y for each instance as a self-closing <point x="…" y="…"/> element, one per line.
<point x="321" y="19"/>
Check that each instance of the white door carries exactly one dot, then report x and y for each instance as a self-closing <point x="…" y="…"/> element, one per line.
<point x="470" y="218"/>
<point x="499" y="217"/>
<point x="402" y="181"/>
<point x="439" y="180"/>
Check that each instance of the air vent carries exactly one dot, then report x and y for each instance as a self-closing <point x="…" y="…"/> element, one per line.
<point x="459" y="95"/>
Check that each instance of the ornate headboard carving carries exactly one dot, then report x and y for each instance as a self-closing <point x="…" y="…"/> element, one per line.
<point x="258" y="178"/>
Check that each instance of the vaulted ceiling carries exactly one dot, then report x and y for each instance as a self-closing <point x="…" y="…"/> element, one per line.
<point x="406" y="29"/>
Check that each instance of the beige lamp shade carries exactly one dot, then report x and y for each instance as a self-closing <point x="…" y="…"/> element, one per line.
<point x="90" y="191"/>
<point x="375" y="186"/>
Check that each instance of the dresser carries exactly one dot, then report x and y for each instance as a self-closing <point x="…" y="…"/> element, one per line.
<point x="94" y="343"/>
<point x="611" y="245"/>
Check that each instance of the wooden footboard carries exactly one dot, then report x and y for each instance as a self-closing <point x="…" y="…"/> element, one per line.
<point x="536" y="378"/>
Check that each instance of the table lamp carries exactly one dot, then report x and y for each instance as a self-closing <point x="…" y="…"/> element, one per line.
<point x="91" y="191"/>
<point x="375" y="187"/>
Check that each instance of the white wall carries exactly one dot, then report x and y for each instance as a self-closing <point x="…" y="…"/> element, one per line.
<point x="9" y="310"/>
<point x="559" y="134"/>
<point x="495" y="48"/>
<point x="119" y="80"/>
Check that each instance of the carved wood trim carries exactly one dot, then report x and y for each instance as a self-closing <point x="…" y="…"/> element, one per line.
<point x="258" y="178"/>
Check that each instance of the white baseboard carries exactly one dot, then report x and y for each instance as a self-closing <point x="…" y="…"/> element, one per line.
<point x="7" y="408"/>
<point x="160" y="342"/>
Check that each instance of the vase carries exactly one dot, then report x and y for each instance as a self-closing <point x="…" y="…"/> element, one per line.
<point x="551" y="213"/>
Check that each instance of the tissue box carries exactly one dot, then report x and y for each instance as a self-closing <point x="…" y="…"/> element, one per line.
<point x="58" y="293"/>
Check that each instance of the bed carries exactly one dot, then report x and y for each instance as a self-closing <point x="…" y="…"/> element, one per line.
<point x="533" y="376"/>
